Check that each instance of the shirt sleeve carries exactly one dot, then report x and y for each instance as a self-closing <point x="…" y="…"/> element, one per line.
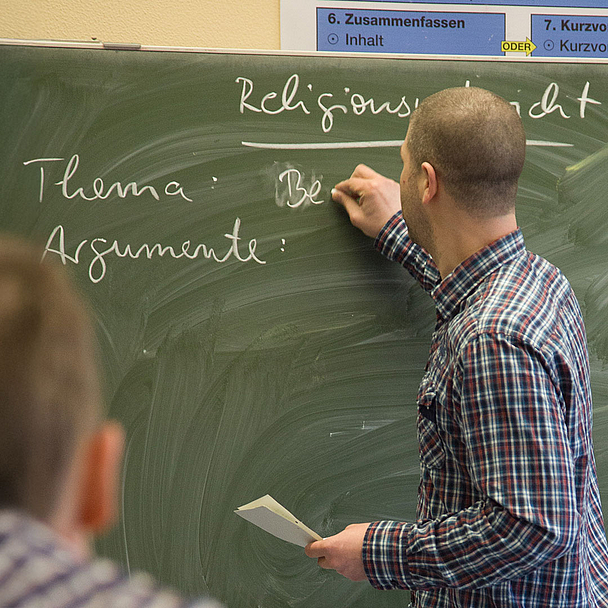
<point x="518" y="456"/>
<point x="394" y="242"/>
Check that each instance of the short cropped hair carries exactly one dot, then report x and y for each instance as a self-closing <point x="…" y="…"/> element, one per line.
<point x="49" y="391"/>
<point x="476" y="143"/>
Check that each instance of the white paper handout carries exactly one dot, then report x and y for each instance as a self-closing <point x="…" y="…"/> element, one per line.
<point x="268" y="514"/>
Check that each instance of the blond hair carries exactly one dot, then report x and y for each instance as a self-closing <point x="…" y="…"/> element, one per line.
<point x="49" y="392"/>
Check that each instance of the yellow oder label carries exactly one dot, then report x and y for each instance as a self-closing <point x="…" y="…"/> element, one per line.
<point x="518" y="46"/>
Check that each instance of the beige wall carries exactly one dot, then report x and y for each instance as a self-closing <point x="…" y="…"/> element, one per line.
<point x="251" y="24"/>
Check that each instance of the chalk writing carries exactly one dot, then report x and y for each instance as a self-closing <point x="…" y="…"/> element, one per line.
<point x="359" y="105"/>
<point x="99" y="190"/>
<point x="291" y="99"/>
<point x="289" y="93"/>
<point x="295" y="189"/>
<point x="548" y="103"/>
<point x="584" y="99"/>
<point x="328" y="106"/>
<point x="295" y="186"/>
<point x="99" y="246"/>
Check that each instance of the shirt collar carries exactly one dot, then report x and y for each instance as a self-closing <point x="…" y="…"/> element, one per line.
<point x="25" y="531"/>
<point x="449" y="294"/>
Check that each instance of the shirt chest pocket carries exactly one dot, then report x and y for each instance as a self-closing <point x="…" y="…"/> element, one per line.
<point x="430" y="445"/>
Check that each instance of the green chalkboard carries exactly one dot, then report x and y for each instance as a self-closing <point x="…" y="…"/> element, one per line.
<point x="252" y="341"/>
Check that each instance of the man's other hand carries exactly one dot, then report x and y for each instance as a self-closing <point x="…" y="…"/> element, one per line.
<point x="342" y="552"/>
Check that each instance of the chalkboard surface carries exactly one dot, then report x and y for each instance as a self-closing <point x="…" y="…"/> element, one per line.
<point x="252" y="341"/>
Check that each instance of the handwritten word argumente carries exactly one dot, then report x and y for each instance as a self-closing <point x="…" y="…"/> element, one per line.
<point x="99" y="190"/>
<point x="291" y="97"/>
<point x="100" y="248"/>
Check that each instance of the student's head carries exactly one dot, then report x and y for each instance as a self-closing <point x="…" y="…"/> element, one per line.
<point x="53" y="444"/>
<point x="476" y="143"/>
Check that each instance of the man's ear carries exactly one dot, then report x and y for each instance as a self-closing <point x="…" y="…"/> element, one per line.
<point x="430" y="186"/>
<point x="98" y="492"/>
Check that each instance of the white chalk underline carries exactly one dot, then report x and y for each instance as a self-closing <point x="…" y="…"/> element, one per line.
<point x="396" y="143"/>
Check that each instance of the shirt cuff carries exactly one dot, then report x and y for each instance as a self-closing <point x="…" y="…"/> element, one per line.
<point x="392" y="239"/>
<point x="385" y="555"/>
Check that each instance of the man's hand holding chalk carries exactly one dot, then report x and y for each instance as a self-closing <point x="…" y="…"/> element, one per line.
<point x="369" y="198"/>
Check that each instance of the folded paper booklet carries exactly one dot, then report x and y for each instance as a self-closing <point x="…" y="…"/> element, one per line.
<point x="268" y="514"/>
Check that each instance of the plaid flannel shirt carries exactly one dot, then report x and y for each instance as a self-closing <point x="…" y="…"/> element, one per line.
<point x="509" y="509"/>
<point x="38" y="571"/>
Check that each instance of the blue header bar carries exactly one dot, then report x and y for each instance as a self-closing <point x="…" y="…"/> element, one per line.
<point x="570" y="36"/>
<point x="422" y="32"/>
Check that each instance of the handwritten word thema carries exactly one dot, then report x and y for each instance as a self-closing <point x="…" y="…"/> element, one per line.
<point x="99" y="190"/>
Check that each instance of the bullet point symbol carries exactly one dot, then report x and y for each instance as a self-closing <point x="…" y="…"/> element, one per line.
<point x="549" y="44"/>
<point x="333" y="39"/>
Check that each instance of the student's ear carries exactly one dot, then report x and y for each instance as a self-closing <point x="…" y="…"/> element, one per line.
<point x="429" y="188"/>
<point x="100" y="478"/>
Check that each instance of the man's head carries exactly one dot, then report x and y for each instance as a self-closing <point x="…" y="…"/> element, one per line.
<point x="476" y="144"/>
<point x="51" y="433"/>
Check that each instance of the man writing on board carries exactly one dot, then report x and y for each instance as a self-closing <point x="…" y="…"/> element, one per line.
<point x="59" y="463"/>
<point x="509" y="510"/>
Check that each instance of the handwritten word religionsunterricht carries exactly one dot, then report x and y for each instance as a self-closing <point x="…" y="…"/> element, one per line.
<point x="292" y="97"/>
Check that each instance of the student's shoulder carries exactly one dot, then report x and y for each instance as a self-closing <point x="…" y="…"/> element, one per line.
<point x="116" y="588"/>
